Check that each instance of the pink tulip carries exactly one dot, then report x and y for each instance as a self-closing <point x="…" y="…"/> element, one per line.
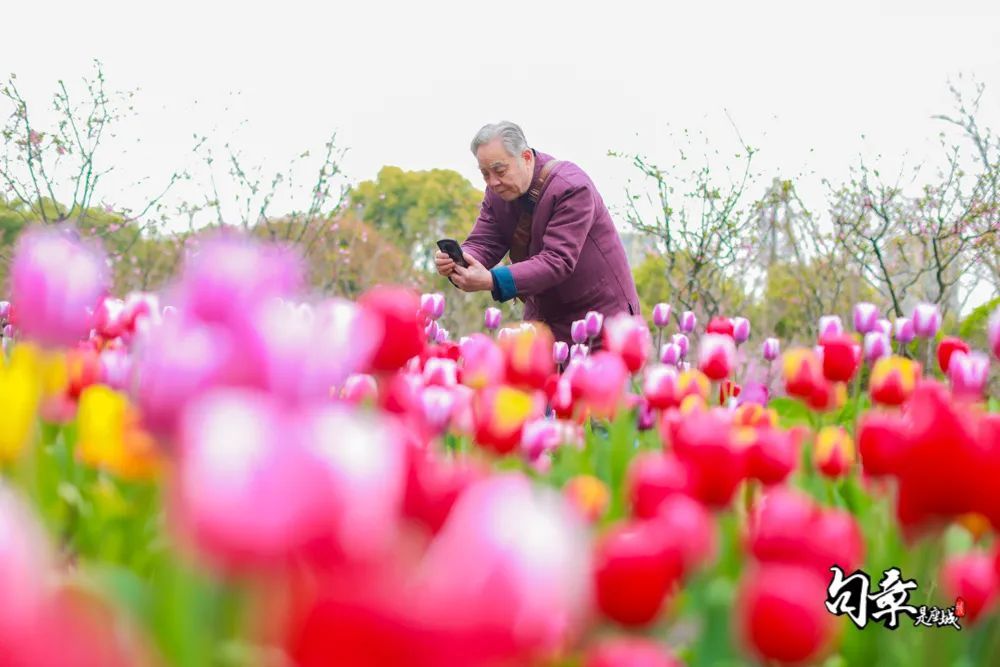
<point x="876" y="346"/>
<point x="865" y="317"/>
<point x="604" y="377"/>
<point x="540" y="436"/>
<point x="741" y="329"/>
<point x="431" y="330"/>
<point x="432" y="305"/>
<point x="55" y="280"/>
<point x="628" y="337"/>
<point x="681" y="341"/>
<point x="139" y="306"/>
<point x="492" y="318"/>
<point x="8" y="331"/>
<point x="926" y="319"/>
<point x="830" y="325"/>
<point x="903" y="330"/>
<point x="359" y="388"/>
<point x="25" y="560"/>
<point x="884" y="326"/>
<point x="4" y="312"/>
<point x="670" y="354"/>
<point x="771" y="349"/>
<point x="441" y="372"/>
<point x="579" y="351"/>
<point x="993" y="333"/>
<point x="109" y="318"/>
<point x="716" y="356"/>
<point x="483" y="362"/>
<point x="660" y="385"/>
<point x="516" y="559"/>
<point x="968" y="373"/>
<point x="442" y="335"/>
<point x="228" y="276"/>
<point x="578" y="331"/>
<point x="661" y="314"/>
<point x="594" y="321"/>
<point x="116" y="368"/>
<point x="437" y="403"/>
<point x="688" y="322"/>
<point x="560" y="352"/>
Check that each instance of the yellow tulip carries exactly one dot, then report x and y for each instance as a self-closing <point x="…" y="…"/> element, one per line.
<point x="110" y="437"/>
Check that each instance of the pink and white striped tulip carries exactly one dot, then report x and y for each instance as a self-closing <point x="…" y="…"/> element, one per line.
<point x="741" y="329"/>
<point x="55" y="280"/>
<point x="560" y="352"/>
<point x="681" y="341"/>
<point x="432" y="305"/>
<point x="688" y="322"/>
<point x="670" y="354"/>
<point x="865" y="316"/>
<point x="442" y="335"/>
<point x="903" y="330"/>
<point x="884" y="326"/>
<point x="968" y="373"/>
<point x="441" y="372"/>
<point x="660" y="385"/>
<point x="594" y="322"/>
<point x="540" y="436"/>
<point x="926" y="319"/>
<point x="492" y="317"/>
<point x="628" y="337"/>
<point x="772" y="348"/>
<point x="661" y="314"/>
<point x="830" y="325"/>
<point x="578" y="331"/>
<point x="716" y="356"/>
<point x="431" y="330"/>
<point x="876" y="346"/>
<point x="993" y="333"/>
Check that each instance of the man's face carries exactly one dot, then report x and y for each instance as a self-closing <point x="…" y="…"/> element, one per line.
<point x="507" y="176"/>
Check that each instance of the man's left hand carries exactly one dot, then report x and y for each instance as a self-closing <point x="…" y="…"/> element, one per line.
<point x="474" y="278"/>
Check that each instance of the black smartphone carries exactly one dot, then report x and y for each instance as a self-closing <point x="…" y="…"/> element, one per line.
<point x="453" y="250"/>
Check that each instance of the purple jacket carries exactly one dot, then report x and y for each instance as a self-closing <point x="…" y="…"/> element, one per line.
<point x="576" y="261"/>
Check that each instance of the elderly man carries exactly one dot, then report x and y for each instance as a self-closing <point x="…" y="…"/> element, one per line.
<point x="566" y="255"/>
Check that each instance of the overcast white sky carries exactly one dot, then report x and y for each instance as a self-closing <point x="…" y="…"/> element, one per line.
<point x="409" y="83"/>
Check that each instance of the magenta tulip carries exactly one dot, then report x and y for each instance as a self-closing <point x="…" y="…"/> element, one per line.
<point x="661" y="314"/>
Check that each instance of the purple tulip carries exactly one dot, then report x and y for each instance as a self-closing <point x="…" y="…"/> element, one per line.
<point x="772" y="348"/>
<point x="926" y="320"/>
<point x="578" y="331"/>
<point x="883" y="325"/>
<point x="670" y="354"/>
<point x="754" y="392"/>
<point x="492" y="318"/>
<point x="661" y="314"/>
<point x="432" y="305"/>
<point x="865" y="317"/>
<point x="904" y="330"/>
<point x="442" y="335"/>
<point x="968" y="373"/>
<point x="681" y="341"/>
<point x="830" y="325"/>
<point x="741" y="329"/>
<point x="688" y="322"/>
<point x="646" y="418"/>
<point x="578" y="351"/>
<point x="877" y="345"/>
<point x="4" y="311"/>
<point x="431" y="330"/>
<point x="55" y="280"/>
<point x="560" y="352"/>
<point x="594" y="321"/>
<point x="8" y="331"/>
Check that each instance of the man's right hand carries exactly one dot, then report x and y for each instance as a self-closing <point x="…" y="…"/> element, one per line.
<point x="445" y="264"/>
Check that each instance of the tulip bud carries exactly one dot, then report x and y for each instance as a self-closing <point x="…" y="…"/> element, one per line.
<point x="4" y="312"/>
<point x="993" y="333"/>
<point x="578" y="331"/>
<point x="834" y="451"/>
<point x="865" y="317"/>
<point x="968" y="373"/>
<point x="431" y="330"/>
<point x="830" y="325"/>
<point x="560" y="352"/>
<point x="594" y="322"/>
<point x="884" y="326"/>
<point x="741" y="329"/>
<point x="772" y="348"/>
<point x="359" y="388"/>
<point x="903" y="330"/>
<point x="681" y="341"/>
<point x="432" y="305"/>
<point x="628" y="337"/>
<point x="579" y="351"/>
<point x="661" y="315"/>
<point x="946" y="348"/>
<point x="492" y="318"/>
<point x="670" y="354"/>
<point x="926" y="319"/>
<point x="440" y="372"/>
<point x="876" y="346"/>
<point x="442" y="335"/>
<point x="716" y="356"/>
<point x="688" y="322"/>
<point x="893" y="379"/>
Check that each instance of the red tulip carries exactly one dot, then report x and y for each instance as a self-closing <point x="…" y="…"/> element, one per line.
<point x="629" y="652"/>
<point x="528" y="351"/>
<point x="716" y="355"/>
<point x="628" y="337"/>
<point x="803" y="373"/>
<point x="882" y="443"/>
<point x="893" y="379"/>
<point x="434" y="484"/>
<point x="652" y="478"/>
<point x="397" y="312"/>
<point x="841" y="357"/>
<point x="772" y="456"/>
<point x="972" y="577"/>
<point x="715" y="462"/>
<point x="691" y="525"/>
<point x="500" y="414"/>
<point x="833" y="451"/>
<point x="720" y="325"/>
<point x="947" y="347"/>
<point x="636" y="566"/>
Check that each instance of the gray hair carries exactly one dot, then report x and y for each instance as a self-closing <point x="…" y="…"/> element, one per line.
<point x="510" y="135"/>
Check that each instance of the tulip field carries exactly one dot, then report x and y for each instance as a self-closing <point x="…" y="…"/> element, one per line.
<point x="235" y="471"/>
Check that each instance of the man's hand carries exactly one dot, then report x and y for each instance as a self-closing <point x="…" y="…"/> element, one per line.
<point x="475" y="278"/>
<point x="445" y="264"/>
